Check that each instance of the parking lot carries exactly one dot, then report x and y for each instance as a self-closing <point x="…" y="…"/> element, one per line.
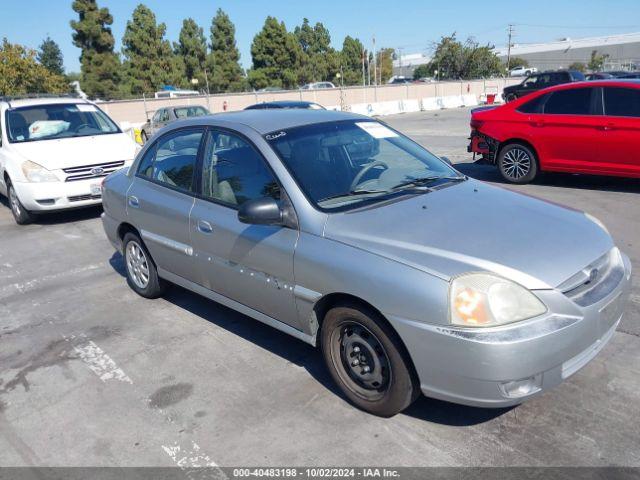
<point x="93" y="375"/>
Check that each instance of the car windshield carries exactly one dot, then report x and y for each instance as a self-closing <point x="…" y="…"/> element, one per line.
<point x="47" y="122"/>
<point x="341" y="164"/>
<point x="186" y="112"/>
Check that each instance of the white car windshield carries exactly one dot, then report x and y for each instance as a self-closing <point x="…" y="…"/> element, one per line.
<point x="63" y="120"/>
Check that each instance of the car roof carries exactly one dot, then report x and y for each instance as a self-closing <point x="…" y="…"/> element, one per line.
<point x="264" y="120"/>
<point x="282" y="104"/>
<point x="27" y="102"/>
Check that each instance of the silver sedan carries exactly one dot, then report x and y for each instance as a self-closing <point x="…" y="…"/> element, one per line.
<point x="345" y="234"/>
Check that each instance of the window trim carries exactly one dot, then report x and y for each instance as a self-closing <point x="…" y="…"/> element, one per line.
<point x="154" y="146"/>
<point x="216" y="128"/>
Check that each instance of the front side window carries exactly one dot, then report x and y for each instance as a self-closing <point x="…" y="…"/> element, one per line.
<point x="622" y="102"/>
<point x="48" y="122"/>
<point x="531" y="81"/>
<point x="172" y="161"/>
<point x="576" y="101"/>
<point x="234" y="172"/>
<point x="341" y="164"/>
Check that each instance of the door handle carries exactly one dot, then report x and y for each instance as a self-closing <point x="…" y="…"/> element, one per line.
<point x="607" y="127"/>
<point x="205" y="227"/>
<point x="133" y="201"/>
<point x="538" y="123"/>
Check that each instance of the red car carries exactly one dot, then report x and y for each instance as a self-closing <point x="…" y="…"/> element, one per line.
<point x="586" y="127"/>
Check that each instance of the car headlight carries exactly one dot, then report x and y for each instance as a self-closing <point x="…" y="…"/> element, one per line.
<point x="486" y="300"/>
<point x="597" y="222"/>
<point x="37" y="173"/>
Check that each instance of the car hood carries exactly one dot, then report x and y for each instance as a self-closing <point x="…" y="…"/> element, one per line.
<point x="473" y="226"/>
<point x="72" y="152"/>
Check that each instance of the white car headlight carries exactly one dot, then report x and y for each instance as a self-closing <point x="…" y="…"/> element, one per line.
<point x="37" y="173"/>
<point x="486" y="300"/>
<point x="597" y="222"/>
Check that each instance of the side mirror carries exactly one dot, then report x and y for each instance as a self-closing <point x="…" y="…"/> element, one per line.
<point x="446" y="160"/>
<point x="261" y="211"/>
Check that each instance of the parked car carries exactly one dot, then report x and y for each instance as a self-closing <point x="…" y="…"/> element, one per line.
<point x="589" y="127"/>
<point x="317" y="86"/>
<point x="164" y="116"/>
<point x="54" y="153"/>
<point x="630" y="76"/>
<point x="522" y="71"/>
<point x="342" y="232"/>
<point x="400" y="81"/>
<point x="598" y="76"/>
<point x="538" y="81"/>
<point x="286" y="104"/>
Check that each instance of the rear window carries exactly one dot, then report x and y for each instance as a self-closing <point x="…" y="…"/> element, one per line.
<point x="576" y="101"/>
<point x="622" y="102"/>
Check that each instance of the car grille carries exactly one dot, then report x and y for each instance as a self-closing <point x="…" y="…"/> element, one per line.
<point x="81" y="198"/>
<point x="596" y="280"/>
<point x="91" y="171"/>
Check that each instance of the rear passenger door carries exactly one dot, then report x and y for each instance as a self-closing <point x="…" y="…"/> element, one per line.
<point x="251" y="264"/>
<point x="161" y="196"/>
<point x="620" y="149"/>
<point x="568" y="131"/>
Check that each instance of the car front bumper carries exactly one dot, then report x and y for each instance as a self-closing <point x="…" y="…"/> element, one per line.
<point x="51" y="196"/>
<point x="483" y="368"/>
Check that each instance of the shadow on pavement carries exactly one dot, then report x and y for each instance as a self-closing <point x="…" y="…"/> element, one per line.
<point x="61" y="216"/>
<point x="304" y="355"/>
<point x="489" y="173"/>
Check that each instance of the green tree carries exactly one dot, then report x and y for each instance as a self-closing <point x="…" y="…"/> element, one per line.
<point x="578" y="66"/>
<point x="277" y="57"/>
<point x="421" y="71"/>
<point x="192" y="49"/>
<point x="385" y="64"/>
<point x="319" y="61"/>
<point x="351" y="60"/>
<point x="597" y="61"/>
<point x="224" y="59"/>
<point x="455" y="60"/>
<point x="149" y="60"/>
<point x="21" y="73"/>
<point x="50" y="56"/>
<point x="100" y="66"/>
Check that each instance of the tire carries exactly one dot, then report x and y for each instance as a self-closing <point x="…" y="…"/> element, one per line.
<point x="21" y="215"/>
<point x="142" y="275"/>
<point x="517" y="163"/>
<point x="354" y="339"/>
<point x="144" y="137"/>
<point x="511" y="97"/>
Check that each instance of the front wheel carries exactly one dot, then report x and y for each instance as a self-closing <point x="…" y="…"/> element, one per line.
<point x="142" y="275"/>
<point x="511" y="97"/>
<point x="517" y="164"/>
<point x="21" y="215"/>
<point x="366" y="359"/>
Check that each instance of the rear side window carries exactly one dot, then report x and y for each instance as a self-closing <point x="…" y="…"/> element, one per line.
<point x="576" y="101"/>
<point x="621" y="102"/>
<point x="172" y="161"/>
<point x="533" y="106"/>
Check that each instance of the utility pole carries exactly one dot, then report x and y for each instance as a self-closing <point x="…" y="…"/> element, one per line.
<point x="375" y="63"/>
<point x="510" y="32"/>
<point x="364" y="79"/>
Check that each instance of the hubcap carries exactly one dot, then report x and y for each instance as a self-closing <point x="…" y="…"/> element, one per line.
<point x="516" y="163"/>
<point x="364" y="358"/>
<point x="137" y="265"/>
<point x="15" y="203"/>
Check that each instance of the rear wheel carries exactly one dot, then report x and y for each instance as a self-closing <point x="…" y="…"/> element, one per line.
<point x="517" y="163"/>
<point x="21" y="215"/>
<point x="366" y="360"/>
<point x="142" y="275"/>
<point x="511" y="97"/>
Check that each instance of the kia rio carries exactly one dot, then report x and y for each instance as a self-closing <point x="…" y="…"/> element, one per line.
<point x="588" y="127"/>
<point x="345" y="234"/>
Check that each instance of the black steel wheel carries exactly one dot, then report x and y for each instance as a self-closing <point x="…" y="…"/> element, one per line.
<point x="367" y="360"/>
